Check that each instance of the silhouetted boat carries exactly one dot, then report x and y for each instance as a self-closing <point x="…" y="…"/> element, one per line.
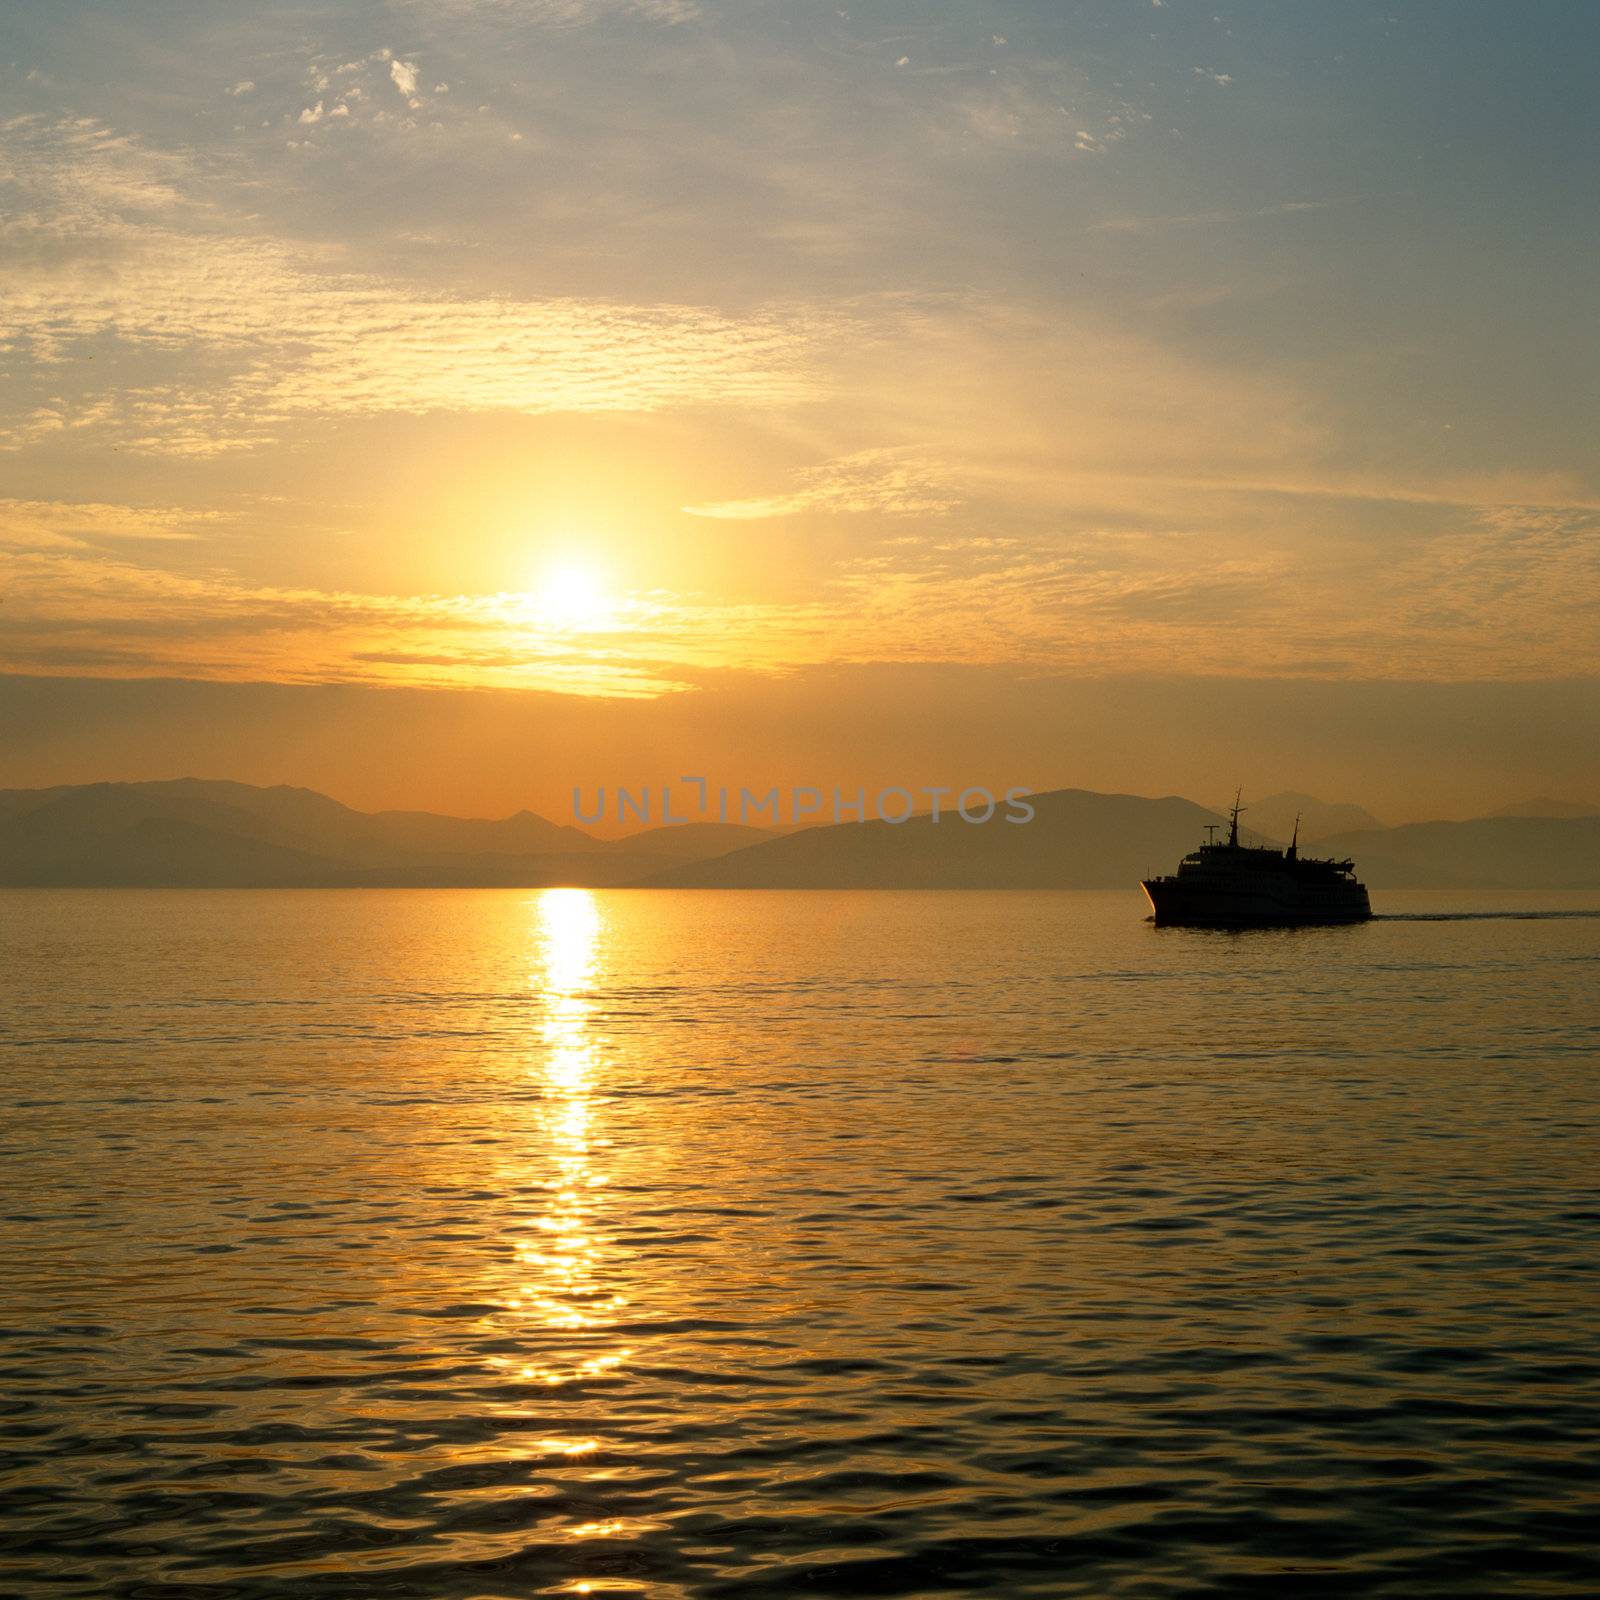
<point x="1244" y="886"/>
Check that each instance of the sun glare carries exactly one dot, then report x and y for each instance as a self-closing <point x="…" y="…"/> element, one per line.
<point x="571" y="596"/>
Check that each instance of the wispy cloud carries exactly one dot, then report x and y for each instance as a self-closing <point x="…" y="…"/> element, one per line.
<point x="110" y="617"/>
<point x="896" y="482"/>
<point x="564" y="13"/>
<point x="119" y="253"/>
<point x="1218" y="218"/>
<point x="83" y="525"/>
<point x="1504" y="595"/>
<point x="1043" y="108"/>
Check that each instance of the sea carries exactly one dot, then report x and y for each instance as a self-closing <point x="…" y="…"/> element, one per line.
<point x="492" y="1243"/>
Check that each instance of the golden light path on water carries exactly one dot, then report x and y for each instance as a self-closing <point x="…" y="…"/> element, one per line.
<point x="562" y="1299"/>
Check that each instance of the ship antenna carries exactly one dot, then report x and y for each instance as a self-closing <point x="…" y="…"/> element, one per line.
<point x="1294" y="843"/>
<point x="1233" y="819"/>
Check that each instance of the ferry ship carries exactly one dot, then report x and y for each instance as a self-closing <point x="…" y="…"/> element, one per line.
<point x="1233" y="885"/>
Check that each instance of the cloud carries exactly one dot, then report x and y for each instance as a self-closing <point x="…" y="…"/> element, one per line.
<point x="68" y="612"/>
<point x="404" y="76"/>
<point x="894" y="482"/>
<point x="362" y="90"/>
<point x="158" y="282"/>
<point x="1217" y="218"/>
<point x="563" y="13"/>
<point x="1508" y="594"/>
<point x="1042" y="106"/>
<point x="243" y="86"/>
<point x="83" y="525"/>
<point x="66" y="175"/>
<point x="1104" y="500"/>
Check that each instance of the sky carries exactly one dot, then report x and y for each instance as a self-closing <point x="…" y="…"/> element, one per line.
<point x="450" y="402"/>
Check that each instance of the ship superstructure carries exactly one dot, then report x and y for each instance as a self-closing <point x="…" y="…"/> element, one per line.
<point x="1234" y="885"/>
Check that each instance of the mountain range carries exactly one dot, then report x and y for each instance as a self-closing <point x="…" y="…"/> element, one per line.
<point x="1276" y="816"/>
<point x="1544" y="806"/>
<point x="206" y="833"/>
<point x="1077" y="840"/>
<point x="1502" y="852"/>
<point x="194" y="833"/>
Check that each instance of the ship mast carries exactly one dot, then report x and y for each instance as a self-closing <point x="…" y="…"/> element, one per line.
<point x="1233" y="819"/>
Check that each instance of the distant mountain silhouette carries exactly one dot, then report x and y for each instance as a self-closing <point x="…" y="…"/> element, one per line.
<point x="1487" y="853"/>
<point x="1544" y="806"/>
<point x="694" y="841"/>
<point x="1274" y="817"/>
<point x="1076" y="840"/>
<point x="1083" y="840"/>
<point x="201" y="833"/>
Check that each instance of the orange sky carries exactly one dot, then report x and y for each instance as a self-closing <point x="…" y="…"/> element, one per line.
<point x="718" y="361"/>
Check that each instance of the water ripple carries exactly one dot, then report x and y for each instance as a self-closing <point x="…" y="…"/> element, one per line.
<point x="485" y="1244"/>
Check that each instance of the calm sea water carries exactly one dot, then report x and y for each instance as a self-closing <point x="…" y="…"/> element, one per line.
<point x="488" y="1244"/>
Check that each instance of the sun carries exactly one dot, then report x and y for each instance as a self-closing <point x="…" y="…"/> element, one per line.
<point x="571" y="596"/>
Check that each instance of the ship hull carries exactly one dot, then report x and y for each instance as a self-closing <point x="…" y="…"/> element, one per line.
<point x="1179" y="905"/>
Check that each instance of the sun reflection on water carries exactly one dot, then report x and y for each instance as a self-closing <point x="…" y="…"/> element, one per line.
<point x="565" y="1300"/>
<point x="564" y="1285"/>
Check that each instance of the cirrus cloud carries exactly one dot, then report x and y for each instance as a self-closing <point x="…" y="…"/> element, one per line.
<point x="119" y="262"/>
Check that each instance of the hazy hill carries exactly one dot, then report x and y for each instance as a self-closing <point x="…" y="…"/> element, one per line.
<point x="1076" y="840"/>
<point x="1487" y="853"/>
<point x="162" y="852"/>
<point x="1274" y="817"/>
<point x="693" y="841"/>
<point x="197" y="832"/>
<point x="193" y="833"/>
<point x="1082" y="840"/>
<point x="1544" y="806"/>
